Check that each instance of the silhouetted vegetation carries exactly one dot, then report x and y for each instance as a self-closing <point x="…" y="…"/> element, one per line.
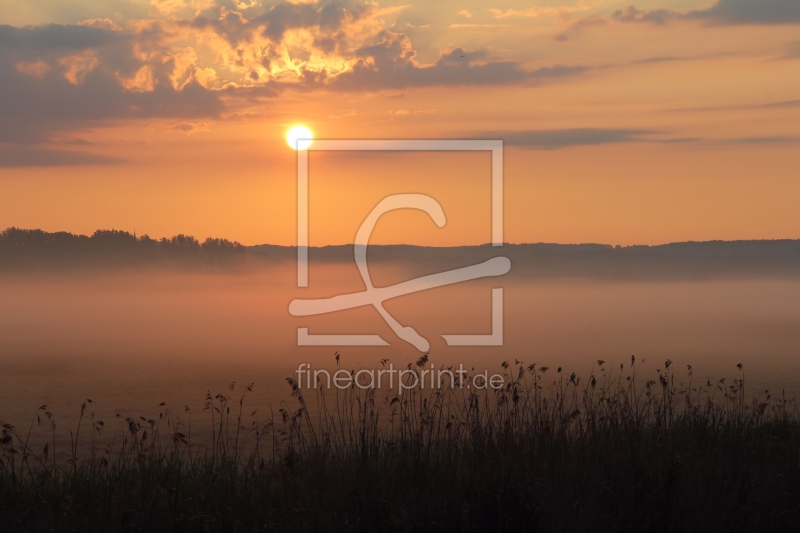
<point x="21" y="248"/>
<point x="35" y="249"/>
<point x="676" y="261"/>
<point x="546" y="452"/>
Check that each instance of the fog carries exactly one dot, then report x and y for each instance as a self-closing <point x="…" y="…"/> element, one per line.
<point x="131" y="339"/>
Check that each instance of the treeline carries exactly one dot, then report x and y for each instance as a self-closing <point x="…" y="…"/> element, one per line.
<point x="26" y="248"/>
<point x="764" y="259"/>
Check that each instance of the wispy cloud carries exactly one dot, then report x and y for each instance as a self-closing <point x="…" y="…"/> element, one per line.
<point x="31" y="156"/>
<point x="545" y="11"/>
<point x="723" y="12"/>
<point x="783" y="104"/>
<point x="767" y="139"/>
<point x="555" y="139"/>
<point x="564" y="138"/>
<point x="185" y="127"/>
<point x="475" y="25"/>
<point x="577" y="28"/>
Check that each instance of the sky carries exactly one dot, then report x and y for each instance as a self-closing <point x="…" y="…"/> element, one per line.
<point x="623" y="123"/>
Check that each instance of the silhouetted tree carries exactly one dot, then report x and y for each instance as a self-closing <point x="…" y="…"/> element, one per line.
<point x="220" y="245"/>
<point x="181" y="242"/>
<point x="110" y="239"/>
<point x="31" y="239"/>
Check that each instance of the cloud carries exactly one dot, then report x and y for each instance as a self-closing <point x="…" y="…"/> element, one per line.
<point x="457" y="26"/>
<point x="330" y="46"/>
<point x="391" y="64"/>
<point x="170" y="7"/>
<point x="563" y="138"/>
<point x="566" y="138"/>
<point x="661" y="59"/>
<point x="32" y="108"/>
<point x="29" y="156"/>
<point x="723" y="12"/>
<point x="752" y="12"/>
<point x="577" y="28"/>
<point x="543" y="11"/>
<point x="769" y="139"/>
<point x="656" y="16"/>
<point x="782" y="104"/>
<point x="278" y="47"/>
<point x="792" y="51"/>
<point x="218" y="61"/>
<point x="65" y="78"/>
<point x="185" y="127"/>
<point x="55" y="37"/>
<point x="277" y="20"/>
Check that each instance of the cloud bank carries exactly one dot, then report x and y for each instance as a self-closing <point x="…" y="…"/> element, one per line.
<point x="723" y="12"/>
<point x="564" y="138"/>
<point x="195" y="60"/>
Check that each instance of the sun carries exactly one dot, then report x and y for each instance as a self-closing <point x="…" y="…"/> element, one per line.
<point x="299" y="137"/>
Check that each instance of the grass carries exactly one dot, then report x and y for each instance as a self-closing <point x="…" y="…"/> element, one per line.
<point x="547" y="452"/>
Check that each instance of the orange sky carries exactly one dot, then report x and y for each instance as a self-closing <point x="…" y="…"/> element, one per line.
<point x="670" y="121"/>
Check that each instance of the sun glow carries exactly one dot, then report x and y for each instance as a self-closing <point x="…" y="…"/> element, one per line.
<point x="299" y="137"/>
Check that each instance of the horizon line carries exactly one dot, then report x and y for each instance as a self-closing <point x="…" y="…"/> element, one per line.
<point x="485" y="244"/>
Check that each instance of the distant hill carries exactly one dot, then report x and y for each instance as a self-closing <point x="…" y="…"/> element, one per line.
<point x="683" y="260"/>
<point x="22" y="250"/>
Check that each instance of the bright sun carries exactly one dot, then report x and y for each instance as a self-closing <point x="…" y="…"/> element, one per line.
<point x="299" y="137"/>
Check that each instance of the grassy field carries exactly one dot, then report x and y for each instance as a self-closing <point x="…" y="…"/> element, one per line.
<point x="546" y="452"/>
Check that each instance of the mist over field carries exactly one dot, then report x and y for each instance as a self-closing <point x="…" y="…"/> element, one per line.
<point x="132" y="330"/>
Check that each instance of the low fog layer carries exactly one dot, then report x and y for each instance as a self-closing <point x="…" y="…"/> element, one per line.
<point x="183" y="319"/>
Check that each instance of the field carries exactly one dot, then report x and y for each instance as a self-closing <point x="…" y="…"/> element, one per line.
<point x="612" y="451"/>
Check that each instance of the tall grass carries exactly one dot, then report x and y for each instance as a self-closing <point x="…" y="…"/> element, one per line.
<point x="546" y="452"/>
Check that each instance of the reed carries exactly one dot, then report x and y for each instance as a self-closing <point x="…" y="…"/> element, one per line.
<point x="546" y="452"/>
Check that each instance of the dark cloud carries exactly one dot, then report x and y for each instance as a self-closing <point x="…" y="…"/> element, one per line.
<point x="661" y="59"/>
<point x="59" y="78"/>
<point x="558" y="71"/>
<point x="577" y="28"/>
<point x="56" y="37"/>
<point x="30" y="156"/>
<point x="32" y="108"/>
<point x="657" y="16"/>
<point x="555" y="139"/>
<point x="780" y="105"/>
<point x="752" y="12"/>
<point x="275" y="21"/>
<point x="390" y="64"/>
<point x="770" y="139"/>
<point x="723" y="12"/>
<point x="565" y="138"/>
<point x="459" y="56"/>
<point x="783" y="104"/>
<point x="287" y="16"/>
<point x="76" y="10"/>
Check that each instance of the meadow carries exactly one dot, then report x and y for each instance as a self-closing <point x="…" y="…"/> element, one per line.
<point x="143" y="327"/>
<point x="549" y="451"/>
